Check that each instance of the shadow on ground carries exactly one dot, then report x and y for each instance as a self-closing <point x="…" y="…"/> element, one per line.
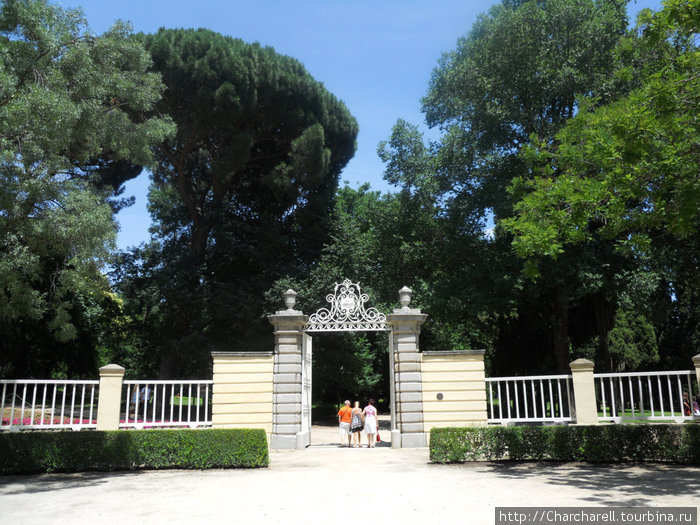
<point x="36" y="484"/>
<point x="638" y="483"/>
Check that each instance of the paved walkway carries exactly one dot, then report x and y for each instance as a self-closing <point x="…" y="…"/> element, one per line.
<point x="327" y="432"/>
<point x="329" y="485"/>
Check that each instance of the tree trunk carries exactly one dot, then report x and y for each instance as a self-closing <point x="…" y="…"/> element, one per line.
<point x="603" y="313"/>
<point x="167" y="365"/>
<point x="560" y="331"/>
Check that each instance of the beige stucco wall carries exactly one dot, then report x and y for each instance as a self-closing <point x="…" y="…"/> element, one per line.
<point x="242" y="393"/>
<point x="459" y="377"/>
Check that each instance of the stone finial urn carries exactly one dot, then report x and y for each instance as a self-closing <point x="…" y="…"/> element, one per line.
<point x="290" y="299"/>
<point x="405" y="297"/>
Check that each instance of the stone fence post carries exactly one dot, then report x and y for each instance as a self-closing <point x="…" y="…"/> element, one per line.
<point x="109" y="400"/>
<point x="584" y="392"/>
<point x="405" y="325"/>
<point x="287" y="432"/>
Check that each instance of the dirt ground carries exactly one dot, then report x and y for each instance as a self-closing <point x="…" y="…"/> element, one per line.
<point x="328" y="484"/>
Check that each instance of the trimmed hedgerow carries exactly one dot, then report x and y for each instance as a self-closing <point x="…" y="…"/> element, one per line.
<point x="595" y="444"/>
<point x="27" y="452"/>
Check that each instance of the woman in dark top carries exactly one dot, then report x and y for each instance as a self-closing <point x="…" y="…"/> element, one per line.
<point x="356" y="426"/>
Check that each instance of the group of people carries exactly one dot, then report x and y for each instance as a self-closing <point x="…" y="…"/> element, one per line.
<point x="354" y="421"/>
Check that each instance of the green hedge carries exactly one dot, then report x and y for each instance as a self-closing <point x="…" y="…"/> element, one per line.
<point x="26" y="452"/>
<point x="595" y="444"/>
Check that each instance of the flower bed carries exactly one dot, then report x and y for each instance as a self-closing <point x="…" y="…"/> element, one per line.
<point x="47" y="421"/>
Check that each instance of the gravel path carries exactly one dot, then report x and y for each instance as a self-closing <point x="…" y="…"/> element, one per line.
<point x="327" y="484"/>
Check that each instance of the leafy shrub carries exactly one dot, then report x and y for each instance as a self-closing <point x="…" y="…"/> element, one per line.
<point x="594" y="444"/>
<point x="27" y="452"/>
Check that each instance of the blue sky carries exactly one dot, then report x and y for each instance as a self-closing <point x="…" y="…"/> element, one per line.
<point x="377" y="56"/>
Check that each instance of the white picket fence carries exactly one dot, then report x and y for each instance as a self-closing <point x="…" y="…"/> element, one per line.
<point x="48" y="404"/>
<point x="72" y="404"/>
<point x="536" y="399"/>
<point x="159" y="403"/>
<point x="644" y="395"/>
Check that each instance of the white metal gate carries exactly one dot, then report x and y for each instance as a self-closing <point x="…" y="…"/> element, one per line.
<point x="306" y="359"/>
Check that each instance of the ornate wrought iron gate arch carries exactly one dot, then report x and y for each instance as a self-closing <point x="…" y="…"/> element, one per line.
<point x="347" y="312"/>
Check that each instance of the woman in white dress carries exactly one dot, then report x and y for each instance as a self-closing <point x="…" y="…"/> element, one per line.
<point x="370" y="415"/>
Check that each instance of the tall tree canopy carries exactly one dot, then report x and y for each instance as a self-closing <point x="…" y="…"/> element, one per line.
<point x="72" y="114"/>
<point x="383" y="242"/>
<point x="515" y="75"/>
<point x="625" y="172"/>
<point x="242" y="194"/>
<point x="628" y="167"/>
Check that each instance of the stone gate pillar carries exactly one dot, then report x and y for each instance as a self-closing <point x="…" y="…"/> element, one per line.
<point x="286" y="387"/>
<point x="405" y="325"/>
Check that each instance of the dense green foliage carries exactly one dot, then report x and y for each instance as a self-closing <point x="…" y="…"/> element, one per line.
<point x="594" y="444"/>
<point x="73" y="111"/>
<point x="533" y="90"/>
<point x="624" y="172"/>
<point x="515" y="75"/>
<point x="31" y="452"/>
<point x="384" y="242"/>
<point x="628" y="168"/>
<point x="241" y="196"/>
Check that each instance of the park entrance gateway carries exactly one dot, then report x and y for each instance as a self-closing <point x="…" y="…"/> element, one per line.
<point x="272" y="390"/>
<point x="347" y="312"/>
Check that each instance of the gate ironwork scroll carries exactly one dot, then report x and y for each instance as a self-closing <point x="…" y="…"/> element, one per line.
<point x="347" y="312"/>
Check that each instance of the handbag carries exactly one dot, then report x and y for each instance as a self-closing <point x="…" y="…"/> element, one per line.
<point x="378" y="438"/>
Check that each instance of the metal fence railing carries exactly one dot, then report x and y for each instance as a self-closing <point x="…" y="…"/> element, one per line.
<point x="529" y="399"/>
<point x="645" y="395"/>
<point x="160" y="403"/>
<point x="48" y="404"/>
<point x="72" y="404"/>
